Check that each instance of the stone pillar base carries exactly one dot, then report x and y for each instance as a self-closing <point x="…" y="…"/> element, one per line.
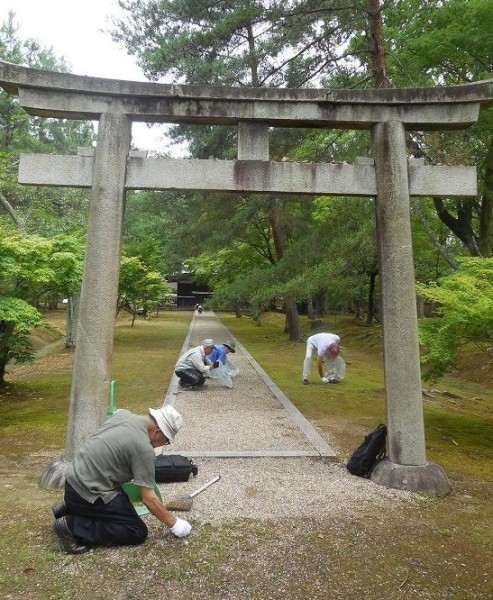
<point x="55" y="474"/>
<point x="428" y="478"/>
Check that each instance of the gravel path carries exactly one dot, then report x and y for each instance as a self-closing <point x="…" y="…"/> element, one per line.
<point x="272" y="461"/>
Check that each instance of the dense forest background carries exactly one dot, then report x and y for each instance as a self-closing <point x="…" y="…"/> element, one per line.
<point x="257" y="252"/>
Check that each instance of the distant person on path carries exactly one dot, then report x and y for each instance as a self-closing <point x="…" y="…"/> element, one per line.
<point x="221" y="352"/>
<point x="193" y="367"/>
<point x="325" y="346"/>
<point x="96" y="511"/>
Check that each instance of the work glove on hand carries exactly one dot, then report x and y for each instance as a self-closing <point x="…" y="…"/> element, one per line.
<point x="181" y="528"/>
<point x="325" y="380"/>
<point x="216" y="364"/>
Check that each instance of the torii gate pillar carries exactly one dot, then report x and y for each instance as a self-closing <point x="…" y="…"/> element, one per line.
<point x="406" y="466"/>
<point x="94" y="345"/>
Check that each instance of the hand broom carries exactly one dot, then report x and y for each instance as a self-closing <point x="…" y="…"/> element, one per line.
<point x="185" y="503"/>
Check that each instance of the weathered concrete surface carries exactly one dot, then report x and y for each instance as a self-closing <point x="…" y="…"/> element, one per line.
<point x="428" y="478"/>
<point x="405" y="423"/>
<point x="388" y="113"/>
<point x="247" y="176"/>
<point x="92" y="362"/>
<point x="280" y="113"/>
<point x="253" y="141"/>
<point x="13" y="77"/>
<point x="78" y="97"/>
<point x="406" y="442"/>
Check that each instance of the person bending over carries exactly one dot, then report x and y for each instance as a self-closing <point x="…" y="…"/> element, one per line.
<point x="96" y="511"/>
<point x="325" y="346"/>
<point x="221" y="351"/>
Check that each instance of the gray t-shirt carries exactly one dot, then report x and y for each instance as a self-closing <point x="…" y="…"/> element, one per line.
<point x="118" y="452"/>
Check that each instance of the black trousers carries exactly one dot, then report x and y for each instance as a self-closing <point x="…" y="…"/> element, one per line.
<point x="190" y="377"/>
<point x="114" y="524"/>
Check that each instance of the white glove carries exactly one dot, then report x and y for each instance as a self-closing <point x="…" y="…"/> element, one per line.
<point x="325" y="380"/>
<point x="181" y="528"/>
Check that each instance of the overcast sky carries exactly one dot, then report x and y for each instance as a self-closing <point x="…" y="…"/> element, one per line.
<point x="75" y="31"/>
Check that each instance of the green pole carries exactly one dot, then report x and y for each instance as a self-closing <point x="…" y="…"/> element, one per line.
<point x="111" y="410"/>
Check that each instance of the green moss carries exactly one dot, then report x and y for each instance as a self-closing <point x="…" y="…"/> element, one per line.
<point x="458" y="415"/>
<point x="428" y="548"/>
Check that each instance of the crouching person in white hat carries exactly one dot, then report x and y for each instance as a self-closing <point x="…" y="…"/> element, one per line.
<point x="194" y="366"/>
<point x="95" y="510"/>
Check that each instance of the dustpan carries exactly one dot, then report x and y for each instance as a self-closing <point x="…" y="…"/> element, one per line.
<point x="131" y="489"/>
<point x="133" y="492"/>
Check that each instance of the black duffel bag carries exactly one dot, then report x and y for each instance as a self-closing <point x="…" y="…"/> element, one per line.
<point x="174" y="467"/>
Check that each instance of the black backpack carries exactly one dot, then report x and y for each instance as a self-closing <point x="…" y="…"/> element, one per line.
<point x="364" y="459"/>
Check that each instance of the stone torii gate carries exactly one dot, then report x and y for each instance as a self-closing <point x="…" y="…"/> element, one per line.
<point x="388" y="176"/>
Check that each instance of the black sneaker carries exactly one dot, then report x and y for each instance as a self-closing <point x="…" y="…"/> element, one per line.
<point x="305" y="381"/>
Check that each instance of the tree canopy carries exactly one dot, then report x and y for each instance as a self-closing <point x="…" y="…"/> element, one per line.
<point x="308" y="253"/>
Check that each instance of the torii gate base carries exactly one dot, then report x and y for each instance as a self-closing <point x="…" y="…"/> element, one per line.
<point x="113" y="169"/>
<point x="429" y="478"/>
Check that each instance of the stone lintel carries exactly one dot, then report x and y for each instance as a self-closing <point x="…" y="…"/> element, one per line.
<point x="14" y="77"/>
<point x="228" y="111"/>
<point x="245" y="176"/>
<point x="436" y="181"/>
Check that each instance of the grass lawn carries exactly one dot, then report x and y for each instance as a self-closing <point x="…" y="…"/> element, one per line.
<point x="438" y="548"/>
<point x="458" y="412"/>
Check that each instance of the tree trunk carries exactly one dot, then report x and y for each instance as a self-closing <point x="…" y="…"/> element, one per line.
<point x="359" y="311"/>
<point x="6" y="331"/>
<point x="293" y="321"/>
<point x="370" y="315"/>
<point x="461" y="226"/>
<point x="293" y="325"/>
<point x="375" y="43"/>
<point x="72" y="320"/>
<point x="310" y="311"/>
<point x="20" y="223"/>
<point x="485" y="240"/>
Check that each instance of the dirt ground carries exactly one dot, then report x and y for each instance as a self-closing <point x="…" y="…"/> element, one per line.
<point x="406" y="546"/>
<point x="422" y="548"/>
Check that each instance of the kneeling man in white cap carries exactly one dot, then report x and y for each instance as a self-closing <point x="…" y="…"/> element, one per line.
<point x="194" y="366"/>
<point x="95" y="510"/>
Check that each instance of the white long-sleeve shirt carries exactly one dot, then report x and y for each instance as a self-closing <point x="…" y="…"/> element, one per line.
<point x="195" y="358"/>
<point x="322" y="341"/>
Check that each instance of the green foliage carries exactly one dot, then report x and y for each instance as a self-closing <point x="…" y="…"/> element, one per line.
<point x="465" y="300"/>
<point x="140" y="288"/>
<point x="18" y="313"/>
<point x="277" y="43"/>
<point x="32" y="267"/>
<point x="17" y="318"/>
<point x="450" y="42"/>
<point x="46" y="211"/>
